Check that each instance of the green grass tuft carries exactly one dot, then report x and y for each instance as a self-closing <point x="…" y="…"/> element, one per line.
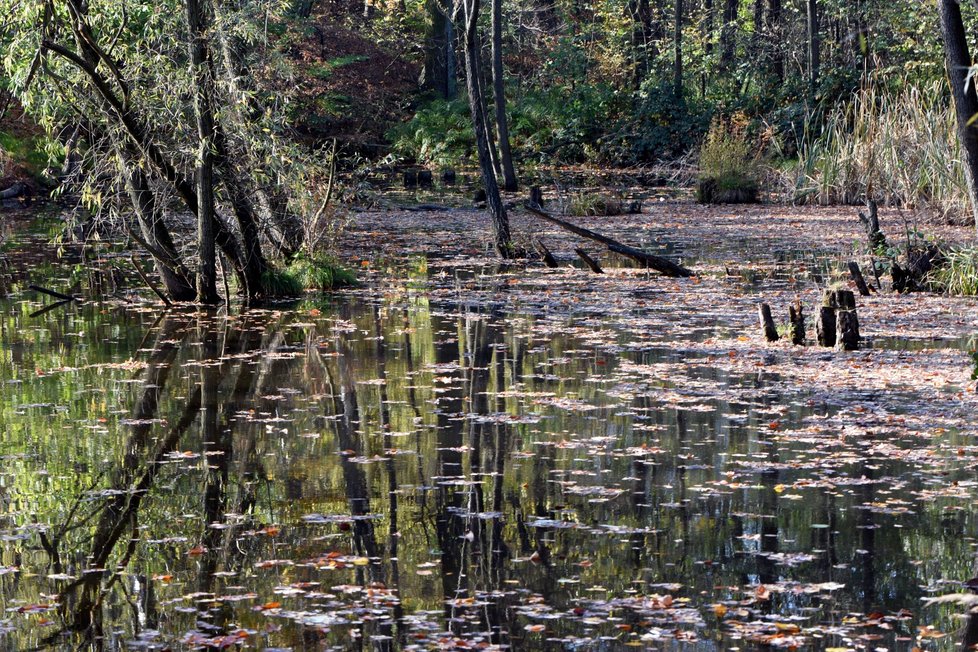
<point x="321" y="273"/>
<point x="958" y="275"/>
<point x="281" y="283"/>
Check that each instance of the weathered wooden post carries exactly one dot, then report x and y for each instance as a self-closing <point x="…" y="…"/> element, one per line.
<point x="857" y="276"/>
<point x="545" y="255"/>
<point x="825" y="324"/>
<point x="846" y="324"/>
<point x="797" y="320"/>
<point x="767" y="323"/>
<point x="590" y="262"/>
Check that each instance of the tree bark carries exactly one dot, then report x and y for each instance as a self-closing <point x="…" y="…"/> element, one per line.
<point x="500" y="221"/>
<point x="677" y="69"/>
<point x="773" y="43"/>
<point x="814" y="46"/>
<point x="440" y="65"/>
<point x="499" y="98"/>
<point x="728" y="37"/>
<point x="177" y="280"/>
<point x="962" y="91"/>
<point x="197" y="23"/>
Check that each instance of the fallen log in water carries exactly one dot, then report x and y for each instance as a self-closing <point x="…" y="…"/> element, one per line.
<point x="14" y="191"/>
<point x="658" y="263"/>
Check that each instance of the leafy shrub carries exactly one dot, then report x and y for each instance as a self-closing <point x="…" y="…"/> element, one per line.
<point x="728" y="169"/>
<point x="665" y="126"/>
<point x="440" y="133"/>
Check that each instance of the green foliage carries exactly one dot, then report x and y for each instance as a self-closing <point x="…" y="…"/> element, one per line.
<point x="440" y="133"/>
<point x="666" y="126"/>
<point x="895" y="146"/>
<point x="320" y="272"/>
<point x="27" y="152"/>
<point x="958" y="275"/>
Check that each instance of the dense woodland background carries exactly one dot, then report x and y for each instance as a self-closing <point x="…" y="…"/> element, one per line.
<point x="245" y="109"/>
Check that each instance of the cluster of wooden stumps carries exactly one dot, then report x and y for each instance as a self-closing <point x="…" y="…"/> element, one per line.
<point x="836" y="325"/>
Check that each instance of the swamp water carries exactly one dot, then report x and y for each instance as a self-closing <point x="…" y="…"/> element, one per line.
<point x="419" y="468"/>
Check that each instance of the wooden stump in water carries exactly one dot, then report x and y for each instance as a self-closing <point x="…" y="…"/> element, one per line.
<point x="545" y="255"/>
<point x="796" y="318"/>
<point x="767" y="323"/>
<point x="825" y="326"/>
<point x="590" y="262"/>
<point x="536" y="196"/>
<point x="846" y="322"/>
<point x="857" y="276"/>
<point x="847" y="327"/>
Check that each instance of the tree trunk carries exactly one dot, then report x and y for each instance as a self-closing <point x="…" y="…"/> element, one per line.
<point x="499" y="98"/>
<point x="500" y="221"/>
<point x="708" y="20"/>
<point x="440" y="66"/>
<point x="773" y="42"/>
<point x="813" y="45"/>
<point x="963" y="92"/>
<point x="677" y="71"/>
<point x="728" y="37"/>
<point x="206" y="252"/>
<point x="177" y="281"/>
<point x="640" y="14"/>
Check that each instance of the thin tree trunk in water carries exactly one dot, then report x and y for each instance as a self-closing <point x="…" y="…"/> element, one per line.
<point x="677" y="73"/>
<point x="499" y="98"/>
<point x="284" y="227"/>
<point x="963" y="92"/>
<point x="206" y="251"/>
<point x="176" y="279"/>
<point x="500" y="221"/>
<point x="813" y="45"/>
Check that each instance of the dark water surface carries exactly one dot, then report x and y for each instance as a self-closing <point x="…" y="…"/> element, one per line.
<point x="405" y="472"/>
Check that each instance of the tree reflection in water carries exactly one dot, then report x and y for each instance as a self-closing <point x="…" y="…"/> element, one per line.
<point x="399" y="475"/>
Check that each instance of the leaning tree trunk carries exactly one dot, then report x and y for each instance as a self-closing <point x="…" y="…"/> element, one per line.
<point x="499" y="98"/>
<point x="206" y="254"/>
<point x="963" y="92"/>
<point x="500" y="221"/>
<point x="177" y="279"/>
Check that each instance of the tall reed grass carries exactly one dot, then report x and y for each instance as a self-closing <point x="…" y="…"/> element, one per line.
<point x="898" y="147"/>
